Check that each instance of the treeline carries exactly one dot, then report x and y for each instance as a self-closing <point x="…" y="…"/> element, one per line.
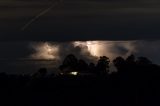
<point x="131" y="69"/>
<point x="129" y="65"/>
<point x="136" y="83"/>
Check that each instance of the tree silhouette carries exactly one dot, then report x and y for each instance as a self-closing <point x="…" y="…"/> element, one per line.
<point x="143" y="61"/>
<point x="119" y="63"/>
<point x="41" y="73"/>
<point x="103" y="65"/>
<point x="92" y="68"/>
<point x="82" y="66"/>
<point x="131" y="59"/>
<point x="130" y="66"/>
<point x="70" y="63"/>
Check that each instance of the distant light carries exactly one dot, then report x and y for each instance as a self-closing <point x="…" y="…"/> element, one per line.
<point x="61" y="73"/>
<point x="74" y="73"/>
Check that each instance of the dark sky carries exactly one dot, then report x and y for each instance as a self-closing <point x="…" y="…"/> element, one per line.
<point x="80" y="20"/>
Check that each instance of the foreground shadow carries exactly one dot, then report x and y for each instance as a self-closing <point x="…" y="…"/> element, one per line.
<point x="136" y="83"/>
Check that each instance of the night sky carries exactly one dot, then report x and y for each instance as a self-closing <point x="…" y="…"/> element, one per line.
<point x="79" y="20"/>
<point x="25" y="25"/>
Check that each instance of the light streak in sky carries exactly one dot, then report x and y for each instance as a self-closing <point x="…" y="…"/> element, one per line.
<point x="39" y="15"/>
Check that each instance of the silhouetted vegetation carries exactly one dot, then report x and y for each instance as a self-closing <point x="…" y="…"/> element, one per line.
<point x="136" y="82"/>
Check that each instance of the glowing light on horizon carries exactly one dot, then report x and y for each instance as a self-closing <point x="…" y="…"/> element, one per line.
<point x="74" y="73"/>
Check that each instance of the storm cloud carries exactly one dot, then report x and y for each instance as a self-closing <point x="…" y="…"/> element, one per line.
<point x="92" y="50"/>
<point x="28" y="57"/>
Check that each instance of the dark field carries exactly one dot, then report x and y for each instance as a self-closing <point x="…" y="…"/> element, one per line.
<point x="136" y="83"/>
<point x="80" y="90"/>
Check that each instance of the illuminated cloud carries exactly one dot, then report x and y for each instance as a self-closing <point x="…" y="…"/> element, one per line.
<point x="87" y="50"/>
<point x="112" y="49"/>
<point x="44" y="51"/>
